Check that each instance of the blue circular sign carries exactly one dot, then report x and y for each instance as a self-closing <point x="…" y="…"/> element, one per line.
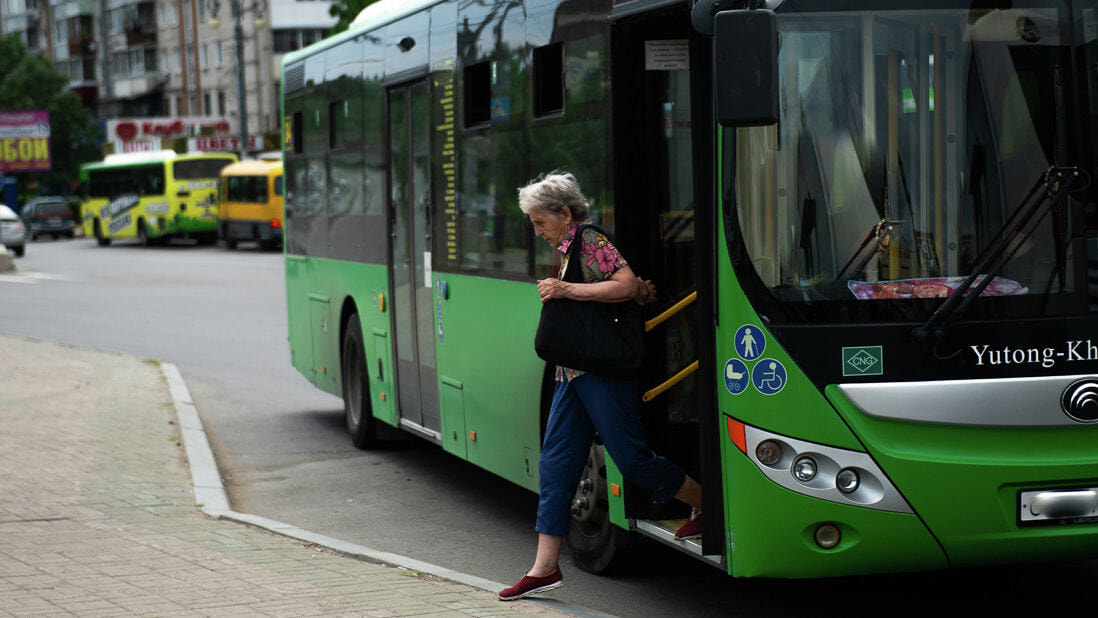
<point x="750" y="342"/>
<point x="769" y="376"/>
<point x="736" y="376"/>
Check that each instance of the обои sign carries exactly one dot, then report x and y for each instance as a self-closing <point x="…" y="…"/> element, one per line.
<point x="25" y="141"/>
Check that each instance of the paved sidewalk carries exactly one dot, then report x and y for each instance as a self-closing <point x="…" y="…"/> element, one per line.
<point x="98" y="517"/>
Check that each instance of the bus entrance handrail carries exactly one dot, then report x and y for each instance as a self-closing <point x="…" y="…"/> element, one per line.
<point x="674" y="309"/>
<point x="673" y="380"/>
<point x="656" y="321"/>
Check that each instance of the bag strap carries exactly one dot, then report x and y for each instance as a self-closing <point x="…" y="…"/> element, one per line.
<point x="574" y="272"/>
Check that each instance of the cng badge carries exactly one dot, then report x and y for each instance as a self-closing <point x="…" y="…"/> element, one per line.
<point x="863" y="361"/>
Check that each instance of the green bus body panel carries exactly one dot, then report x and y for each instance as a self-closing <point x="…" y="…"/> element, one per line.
<point x="616" y="505"/>
<point x="316" y="291"/>
<point x="799" y="410"/>
<point x="772" y="531"/>
<point x="297" y="308"/>
<point x="452" y="399"/>
<point x="964" y="482"/>
<point x="381" y="377"/>
<point x="485" y="358"/>
<point x="487" y="344"/>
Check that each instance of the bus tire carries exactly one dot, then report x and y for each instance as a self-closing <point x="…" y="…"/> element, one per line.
<point x="142" y="234"/>
<point x="100" y="239"/>
<point x="230" y="243"/>
<point x="594" y="541"/>
<point x="356" y="387"/>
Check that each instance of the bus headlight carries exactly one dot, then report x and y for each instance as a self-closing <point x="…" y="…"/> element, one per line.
<point x="823" y="472"/>
<point x="847" y="481"/>
<point x="804" y="469"/>
<point x="769" y="452"/>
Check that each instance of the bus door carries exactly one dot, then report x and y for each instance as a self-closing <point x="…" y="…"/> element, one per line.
<point x="410" y="274"/>
<point x="658" y="224"/>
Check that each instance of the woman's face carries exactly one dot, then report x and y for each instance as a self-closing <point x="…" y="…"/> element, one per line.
<point x="550" y="226"/>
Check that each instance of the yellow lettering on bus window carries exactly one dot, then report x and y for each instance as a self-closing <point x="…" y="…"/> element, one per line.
<point x="26" y="150"/>
<point x="41" y="149"/>
<point x="10" y="152"/>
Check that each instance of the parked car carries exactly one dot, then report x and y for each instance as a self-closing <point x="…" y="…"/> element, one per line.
<point x="13" y="234"/>
<point x="48" y="215"/>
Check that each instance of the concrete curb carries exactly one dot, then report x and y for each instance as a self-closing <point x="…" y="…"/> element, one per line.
<point x="210" y="496"/>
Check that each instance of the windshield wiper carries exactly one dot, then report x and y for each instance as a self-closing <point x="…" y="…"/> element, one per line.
<point x="1045" y="194"/>
<point x="871" y="244"/>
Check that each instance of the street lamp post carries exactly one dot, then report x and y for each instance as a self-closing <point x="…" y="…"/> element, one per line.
<point x="243" y="94"/>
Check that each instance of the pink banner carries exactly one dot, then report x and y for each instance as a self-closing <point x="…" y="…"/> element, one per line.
<point x="25" y="141"/>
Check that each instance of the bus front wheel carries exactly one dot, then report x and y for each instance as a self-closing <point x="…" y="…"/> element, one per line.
<point x="356" y="391"/>
<point x="143" y="234"/>
<point x="102" y="240"/>
<point x="594" y="541"/>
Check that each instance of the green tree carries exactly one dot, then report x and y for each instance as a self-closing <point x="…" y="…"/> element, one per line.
<point x="345" y="12"/>
<point x="30" y="81"/>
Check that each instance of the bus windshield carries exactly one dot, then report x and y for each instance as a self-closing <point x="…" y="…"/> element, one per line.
<point x="907" y="140"/>
<point x="110" y="183"/>
<point x="248" y="189"/>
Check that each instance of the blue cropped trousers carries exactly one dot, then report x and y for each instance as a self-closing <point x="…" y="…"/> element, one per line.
<point x="582" y="406"/>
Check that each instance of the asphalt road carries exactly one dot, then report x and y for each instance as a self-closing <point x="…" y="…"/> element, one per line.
<point x="220" y="317"/>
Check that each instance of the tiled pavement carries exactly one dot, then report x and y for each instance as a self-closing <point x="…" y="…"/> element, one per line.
<point x="98" y="518"/>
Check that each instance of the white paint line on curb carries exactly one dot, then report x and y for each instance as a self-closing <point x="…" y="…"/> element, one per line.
<point x="210" y="496"/>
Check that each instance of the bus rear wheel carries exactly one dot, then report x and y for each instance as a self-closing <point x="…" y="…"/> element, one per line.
<point x="594" y="541"/>
<point x="356" y="391"/>
<point x="102" y="240"/>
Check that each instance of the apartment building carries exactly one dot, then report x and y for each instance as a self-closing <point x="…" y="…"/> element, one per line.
<point x="172" y="63"/>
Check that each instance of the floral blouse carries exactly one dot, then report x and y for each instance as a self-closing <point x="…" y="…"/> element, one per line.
<point x="601" y="259"/>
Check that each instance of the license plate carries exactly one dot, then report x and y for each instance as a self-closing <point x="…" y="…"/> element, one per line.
<point x="1058" y="506"/>
<point x="54" y="221"/>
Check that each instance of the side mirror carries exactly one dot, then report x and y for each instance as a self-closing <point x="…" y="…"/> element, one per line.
<point x="746" y="67"/>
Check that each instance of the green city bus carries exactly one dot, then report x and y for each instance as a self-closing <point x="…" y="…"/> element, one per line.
<point x="152" y="196"/>
<point x="872" y="226"/>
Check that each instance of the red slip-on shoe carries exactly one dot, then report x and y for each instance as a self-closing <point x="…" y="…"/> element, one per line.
<point x="692" y="529"/>
<point x="532" y="585"/>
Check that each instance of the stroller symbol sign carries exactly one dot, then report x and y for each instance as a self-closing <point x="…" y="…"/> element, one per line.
<point x="736" y="376"/>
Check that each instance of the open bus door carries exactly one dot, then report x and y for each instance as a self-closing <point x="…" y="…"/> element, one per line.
<point x="665" y="223"/>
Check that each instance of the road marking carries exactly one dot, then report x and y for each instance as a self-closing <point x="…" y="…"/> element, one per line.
<point x="31" y="277"/>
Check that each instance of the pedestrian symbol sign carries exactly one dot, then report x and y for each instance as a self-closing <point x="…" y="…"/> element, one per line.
<point x="750" y="342"/>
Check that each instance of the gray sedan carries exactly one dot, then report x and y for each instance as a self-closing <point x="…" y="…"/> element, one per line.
<point x="12" y="232"/>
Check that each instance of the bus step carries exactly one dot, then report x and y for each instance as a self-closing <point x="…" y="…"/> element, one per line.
<point x="663" y="530"/>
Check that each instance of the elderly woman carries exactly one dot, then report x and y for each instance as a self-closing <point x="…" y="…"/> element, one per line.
<point x="585" y="403"/>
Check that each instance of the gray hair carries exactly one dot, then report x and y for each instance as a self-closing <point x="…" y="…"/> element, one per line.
<point x="553" y="193"/>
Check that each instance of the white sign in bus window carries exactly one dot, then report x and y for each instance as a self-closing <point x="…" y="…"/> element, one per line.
<point x="426" y="269"/>
<point x="669" y="55"/>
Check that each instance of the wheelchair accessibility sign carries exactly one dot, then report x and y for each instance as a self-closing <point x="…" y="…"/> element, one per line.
<point x="767" y="375"/>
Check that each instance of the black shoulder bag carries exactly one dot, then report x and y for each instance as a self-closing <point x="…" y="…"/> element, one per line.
<point x="596" y="337"/>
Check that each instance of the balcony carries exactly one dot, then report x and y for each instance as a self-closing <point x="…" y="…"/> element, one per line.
<point x="81" y="47"/>
<point x="140" y="35"/>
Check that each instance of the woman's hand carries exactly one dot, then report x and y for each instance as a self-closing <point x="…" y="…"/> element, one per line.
<point x="644" y="291"/>
<point x="549" y="289"/>
<point x="620" y="287"/>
